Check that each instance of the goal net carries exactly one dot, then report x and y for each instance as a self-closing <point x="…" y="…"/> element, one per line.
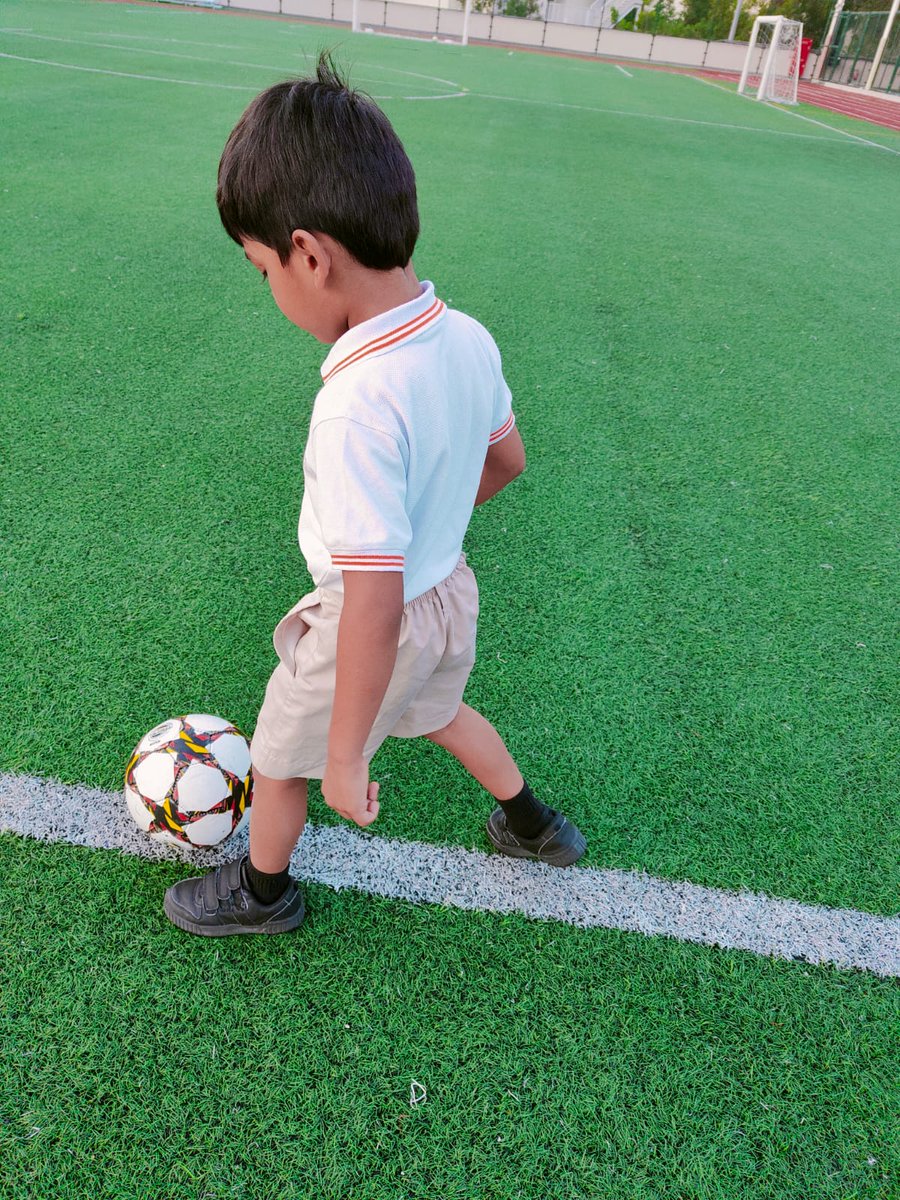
<point x="772" y="66"/>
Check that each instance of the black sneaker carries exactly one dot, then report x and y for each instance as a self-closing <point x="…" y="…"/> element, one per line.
<point x="221" y="903"/>
<point x="559" y="843"/>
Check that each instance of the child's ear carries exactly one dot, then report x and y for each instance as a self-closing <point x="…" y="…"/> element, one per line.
<point x="311" y="254"/>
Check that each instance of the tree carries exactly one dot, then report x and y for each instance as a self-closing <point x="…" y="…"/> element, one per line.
<point x="813" y="13"/>
<point x="506" y="8"/>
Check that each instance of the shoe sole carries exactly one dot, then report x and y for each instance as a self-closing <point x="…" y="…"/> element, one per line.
<point x="189" y="926"/>
<point x="561" y="858"/>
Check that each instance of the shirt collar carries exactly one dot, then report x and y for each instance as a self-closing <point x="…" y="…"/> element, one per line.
<point x="384" y="332"/>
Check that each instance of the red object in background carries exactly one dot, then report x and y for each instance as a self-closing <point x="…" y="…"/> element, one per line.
<point x="805" y="47"/>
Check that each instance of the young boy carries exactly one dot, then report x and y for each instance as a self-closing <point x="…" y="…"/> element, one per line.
<point x="411" y="429"/>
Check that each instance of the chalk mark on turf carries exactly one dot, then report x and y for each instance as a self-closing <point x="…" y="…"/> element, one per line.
<point x="229" y="62"/>
<point x="152" y="37"/>
<point x="341" y="857"/>
<point x="46" y="62"/>
<point x="231" y="87"/>
<point x="789" y="112"/>
<point x="430" y="78"/>
<point x="619" y="112"/>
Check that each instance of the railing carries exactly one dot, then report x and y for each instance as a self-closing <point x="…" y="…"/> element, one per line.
<point x="853" y="51"/>
<point x="446" y="23"/>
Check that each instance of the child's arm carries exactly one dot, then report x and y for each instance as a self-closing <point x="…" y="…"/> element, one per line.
<point x="504" y="461"/>
<point x="368" y="634"/>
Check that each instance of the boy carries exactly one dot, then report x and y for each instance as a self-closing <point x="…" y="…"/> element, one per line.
<point x="411" y="429"/>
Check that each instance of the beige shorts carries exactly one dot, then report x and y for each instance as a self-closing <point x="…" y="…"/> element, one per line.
<point x="434" y="658"/>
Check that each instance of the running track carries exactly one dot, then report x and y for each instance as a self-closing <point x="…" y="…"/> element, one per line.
<point x="864" y="107"/>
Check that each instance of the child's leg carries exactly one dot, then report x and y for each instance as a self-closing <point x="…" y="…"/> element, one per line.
<point x="277" y="817"/>
<point x="255" y="895"/>
<point x="521" y="826"/>
<point x="481" y="750"/>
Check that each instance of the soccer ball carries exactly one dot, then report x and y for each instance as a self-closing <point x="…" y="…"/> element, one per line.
<point x="188" y="781"/>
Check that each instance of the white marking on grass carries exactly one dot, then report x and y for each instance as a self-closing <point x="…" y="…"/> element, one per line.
<point x="230" y="62"/>
<point x="446" y="96"/>
<point x="152" y="37"/>
<point x="230" y="87"/>
<point x="790" y="112"/>
<point x="618" y="112"/>
<point x="624" y="72"/>
<point x="46" y="62"/>
<point x="341" y="857"/>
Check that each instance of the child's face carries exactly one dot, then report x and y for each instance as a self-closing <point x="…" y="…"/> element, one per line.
<point x="297" y="287"/>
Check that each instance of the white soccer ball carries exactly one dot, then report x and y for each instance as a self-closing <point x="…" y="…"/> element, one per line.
<point x="188" y="781"/>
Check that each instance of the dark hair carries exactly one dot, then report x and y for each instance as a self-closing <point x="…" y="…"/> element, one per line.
<point x="314" y="154"/>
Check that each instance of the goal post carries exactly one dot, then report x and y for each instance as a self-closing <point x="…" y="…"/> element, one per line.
<point x="772" y="64"/>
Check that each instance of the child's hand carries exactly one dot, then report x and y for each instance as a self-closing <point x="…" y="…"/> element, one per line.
<point x="346" y="789"/>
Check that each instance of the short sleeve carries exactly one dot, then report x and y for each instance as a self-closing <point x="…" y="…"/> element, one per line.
<point x="360" y="488"/>
<point x="502" y="417"/>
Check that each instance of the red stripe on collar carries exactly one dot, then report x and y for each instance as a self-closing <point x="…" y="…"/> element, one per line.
<point x="402" y="332"/>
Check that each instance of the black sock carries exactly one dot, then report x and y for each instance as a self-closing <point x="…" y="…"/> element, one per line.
<point x="525" y="814"/>
<point x="266" y="888"/>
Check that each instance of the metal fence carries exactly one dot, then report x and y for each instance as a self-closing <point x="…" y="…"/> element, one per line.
<point x="601" y="14"/>
<point x="853" y="49"/>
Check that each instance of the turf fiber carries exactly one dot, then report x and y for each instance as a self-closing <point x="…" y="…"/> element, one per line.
<point x="557" y="1064"/>
<point x="687" y="635"/>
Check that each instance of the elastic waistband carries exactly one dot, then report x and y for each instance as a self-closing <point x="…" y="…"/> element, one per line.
<point x="438" y="587"/>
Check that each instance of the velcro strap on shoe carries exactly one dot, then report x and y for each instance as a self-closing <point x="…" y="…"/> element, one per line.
<point x="208" y="892"/>
<point x="228" y="879"/>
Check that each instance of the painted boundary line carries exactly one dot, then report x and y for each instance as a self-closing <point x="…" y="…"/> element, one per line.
<point x="213" y="62"/>
<point x="618" y="112"/>
<point x="47" y="62"/>
<point x="339" y="857"/>
<point x="615" y="112"/>
<point x="800" y="116"/>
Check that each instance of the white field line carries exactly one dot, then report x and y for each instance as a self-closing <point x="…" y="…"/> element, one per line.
<point x="340" y="857"/>
<point x="618" y="112"/>
<point x="615" y="112"/>
<point x="624" y="72"/>
<point x="790" y="112"/>
<point x="230" y="87"/>
<point x="46" y="62"/>
<point x="800" y="116"/>
<point x="230" y="62"/>
<point x="152" y="37"/>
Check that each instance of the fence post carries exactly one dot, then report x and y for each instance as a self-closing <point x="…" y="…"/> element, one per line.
<point x="736" y="18"/>
<point x="879" y="53"/>
<point x="826" y="44"/>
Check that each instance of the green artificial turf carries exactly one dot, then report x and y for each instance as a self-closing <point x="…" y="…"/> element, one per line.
<point x="557" y="1064"/>
<point x="687" y="604"/>
<point x="687" y="636"/>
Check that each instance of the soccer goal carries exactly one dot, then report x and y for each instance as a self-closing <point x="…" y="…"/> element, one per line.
<point x="772" y="65"/>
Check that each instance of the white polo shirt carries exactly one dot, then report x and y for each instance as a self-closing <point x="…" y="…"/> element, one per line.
<point x="397" y="440"/>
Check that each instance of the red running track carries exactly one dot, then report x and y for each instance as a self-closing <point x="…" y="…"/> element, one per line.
<point x="862" y="106"/>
